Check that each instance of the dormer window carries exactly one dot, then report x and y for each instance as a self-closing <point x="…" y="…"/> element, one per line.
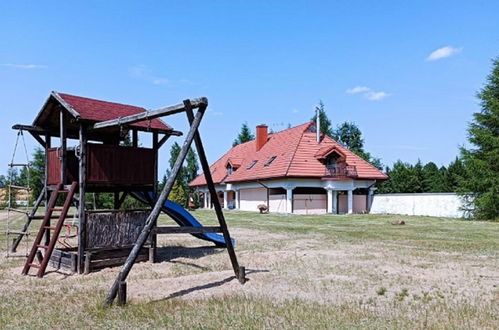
<point x="332" y="160"/>
<point x="230" y="169"/>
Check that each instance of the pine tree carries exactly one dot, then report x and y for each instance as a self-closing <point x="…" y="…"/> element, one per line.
<point x="324" y="121"/>
<point x="245" y="135"/>
<point x="482" y="159"/>
<point x="432" y="179"/>
<point x="37" y="173"/>
<point x="455" y="174"/>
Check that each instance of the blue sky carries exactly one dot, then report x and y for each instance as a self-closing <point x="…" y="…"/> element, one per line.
<point x="260" y="62"/>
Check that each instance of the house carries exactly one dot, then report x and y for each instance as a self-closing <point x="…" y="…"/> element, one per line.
<point x="296" y="171"/>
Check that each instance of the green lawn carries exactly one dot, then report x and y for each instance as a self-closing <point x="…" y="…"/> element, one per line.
<point x="304" y="272"/>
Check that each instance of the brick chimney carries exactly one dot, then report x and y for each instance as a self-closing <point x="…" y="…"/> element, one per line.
<point x="261" y="136"/>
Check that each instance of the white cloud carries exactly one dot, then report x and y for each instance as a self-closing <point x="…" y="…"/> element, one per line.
<point x="214" y="113"/>
<point x="25" y="66"/>
<point x="375" y="96"/>
<point x="295" y="111"/>
<point x="142" y="72"/>
<point x="358" y="89"/>
<point x="368" y="93"/>
<point x="443" y="53"/>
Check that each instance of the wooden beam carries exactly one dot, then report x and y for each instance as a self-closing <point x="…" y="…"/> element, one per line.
<point x="238" y="271"/>
<point x="149" y="115"/>
<point x="153" y="216"/>
<point x="63" y="151"/>
<point x="38" y="138"/>
<point x="48" y="144"/>
<point x="187" y="230"/>
<point x="29" y="128"/>
<point x="163" y="140"/>
<point x="82" y="232"/>
<point x="135" y="138"/>
<point x="66" y="105"/>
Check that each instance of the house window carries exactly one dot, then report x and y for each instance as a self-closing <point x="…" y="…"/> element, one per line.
<point x="331" y="160"/>
<point x="252" y="164"/>
<point x="230" y="170"/>
<point x="271" y="159"/>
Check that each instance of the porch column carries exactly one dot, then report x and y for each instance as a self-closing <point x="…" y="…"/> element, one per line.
<point x="226" y="198"/>
<point x="330" y="200"/>
<point x="289" y="199"/>
<point x="237" y="200"/>
<point x="370" y="196"/>
<point x="335" y="202"/>
<point x="205" y="199"/>
<point x="350" y="201"/>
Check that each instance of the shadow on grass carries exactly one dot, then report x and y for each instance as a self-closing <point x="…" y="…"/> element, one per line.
<point x="169" y="253"/>
<point x="215" y="284"/>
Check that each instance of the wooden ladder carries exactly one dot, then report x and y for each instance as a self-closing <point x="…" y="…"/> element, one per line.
<point x="46" y="226"/>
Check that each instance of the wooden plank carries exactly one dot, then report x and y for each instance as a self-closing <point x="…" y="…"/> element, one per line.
<point x="156" y="210"/>
<point x="211" y="187"/>
<point x="135" y="138"/>
<point x="163" y="140"/>
<point x="63" y="151"/>
<point x="149" y="115"/>
<point x="37" y="137"/>
<point x="48" y="144"/>
<point x="30" y="128"/>
<point x="187" y="230"/>
<point x="66" y="105"/>
<point x="153" y="237"/>
<point x="122" y="293"/>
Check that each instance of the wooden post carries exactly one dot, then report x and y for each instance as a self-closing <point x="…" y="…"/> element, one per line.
<point x="63" y="146"/>
<point x="135" y="138"/>
<point x="48" y="144"/>
<point x="155" y="211"/>
<point x="154" y="237"/>
<point x="122" y="293"/>
<point x="82" y="232"/>
<point x="211" y="186"/>
<point x="116" y="202"/>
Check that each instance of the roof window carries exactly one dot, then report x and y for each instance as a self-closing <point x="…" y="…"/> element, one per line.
<point x="251" y="165"/>
<point x="271" y="159"/>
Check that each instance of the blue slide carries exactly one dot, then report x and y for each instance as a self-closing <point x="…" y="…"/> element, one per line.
<point x="181" y="216"/>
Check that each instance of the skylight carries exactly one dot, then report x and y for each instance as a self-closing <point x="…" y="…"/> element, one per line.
<point x="271" y="159"/>
<point x="252" y="164"/>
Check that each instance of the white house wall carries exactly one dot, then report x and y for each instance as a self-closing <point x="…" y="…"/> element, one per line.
<point x="309" y="203"/>
<point x="249" y="199"/>
<point x="277" y="203"/>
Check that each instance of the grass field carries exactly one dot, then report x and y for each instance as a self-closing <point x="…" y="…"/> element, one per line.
<point x="304" y="272"/>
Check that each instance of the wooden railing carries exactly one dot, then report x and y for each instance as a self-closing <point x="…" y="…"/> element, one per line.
<point x="348" y="171"/>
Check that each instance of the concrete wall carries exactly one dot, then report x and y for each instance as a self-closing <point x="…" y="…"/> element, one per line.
<point x="309" y="203"/>
<point x="251" y="198"/>
<point x="359" y="204"/>
<point x="277" y="203"/>
<point x="434" y="205"/>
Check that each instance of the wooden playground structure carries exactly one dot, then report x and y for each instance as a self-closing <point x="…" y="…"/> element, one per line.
<point x="98" y="163"/>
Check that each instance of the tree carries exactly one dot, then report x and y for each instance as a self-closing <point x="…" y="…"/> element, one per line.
<point x="245" y="135"/>
<point x="349" y="135"/>
<point x="192" y="167"/>
<point x="481" y="160"/>
<point x="323" y="119"/>
<point x="432" y="178"/>
<point x="37" y="172"/>
<point x="178" y="194"/>
<point x="455" y="174"/>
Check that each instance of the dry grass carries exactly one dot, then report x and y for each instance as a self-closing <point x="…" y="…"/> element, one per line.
<point x="303" y="271"/>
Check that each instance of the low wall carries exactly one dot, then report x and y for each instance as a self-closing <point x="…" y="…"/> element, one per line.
<point x="425" y="204"/>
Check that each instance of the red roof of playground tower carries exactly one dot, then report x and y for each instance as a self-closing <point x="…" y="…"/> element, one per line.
<point x="99" y="111"/>
<point x="297" y="155"/>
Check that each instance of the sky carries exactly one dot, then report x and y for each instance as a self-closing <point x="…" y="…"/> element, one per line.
<point x="406" y="72"/>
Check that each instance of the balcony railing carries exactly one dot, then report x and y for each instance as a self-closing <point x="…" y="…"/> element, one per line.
<point x="346" y="171"/>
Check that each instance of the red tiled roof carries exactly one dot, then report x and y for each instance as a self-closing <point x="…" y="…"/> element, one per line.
<point x="96" y="110"/>
<point x="296" y="149"/>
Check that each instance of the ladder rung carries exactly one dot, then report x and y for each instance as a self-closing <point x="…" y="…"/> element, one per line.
<point x="49" y="227"/>
<point x="19" y="164"/>
<point x="15" y="232"/>
<point x="62" y="191"/>
<point x="35" y="266"/>
<point x="19" y="187"/>
<point x="42" y="246"/>
<point x="57" y="210"/>
<point x="17" y="210"/>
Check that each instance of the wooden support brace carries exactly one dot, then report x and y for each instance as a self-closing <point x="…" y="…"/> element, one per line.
<point x="122" y="293"/>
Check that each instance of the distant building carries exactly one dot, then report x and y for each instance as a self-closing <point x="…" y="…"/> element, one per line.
<point x="292" y="171"/>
